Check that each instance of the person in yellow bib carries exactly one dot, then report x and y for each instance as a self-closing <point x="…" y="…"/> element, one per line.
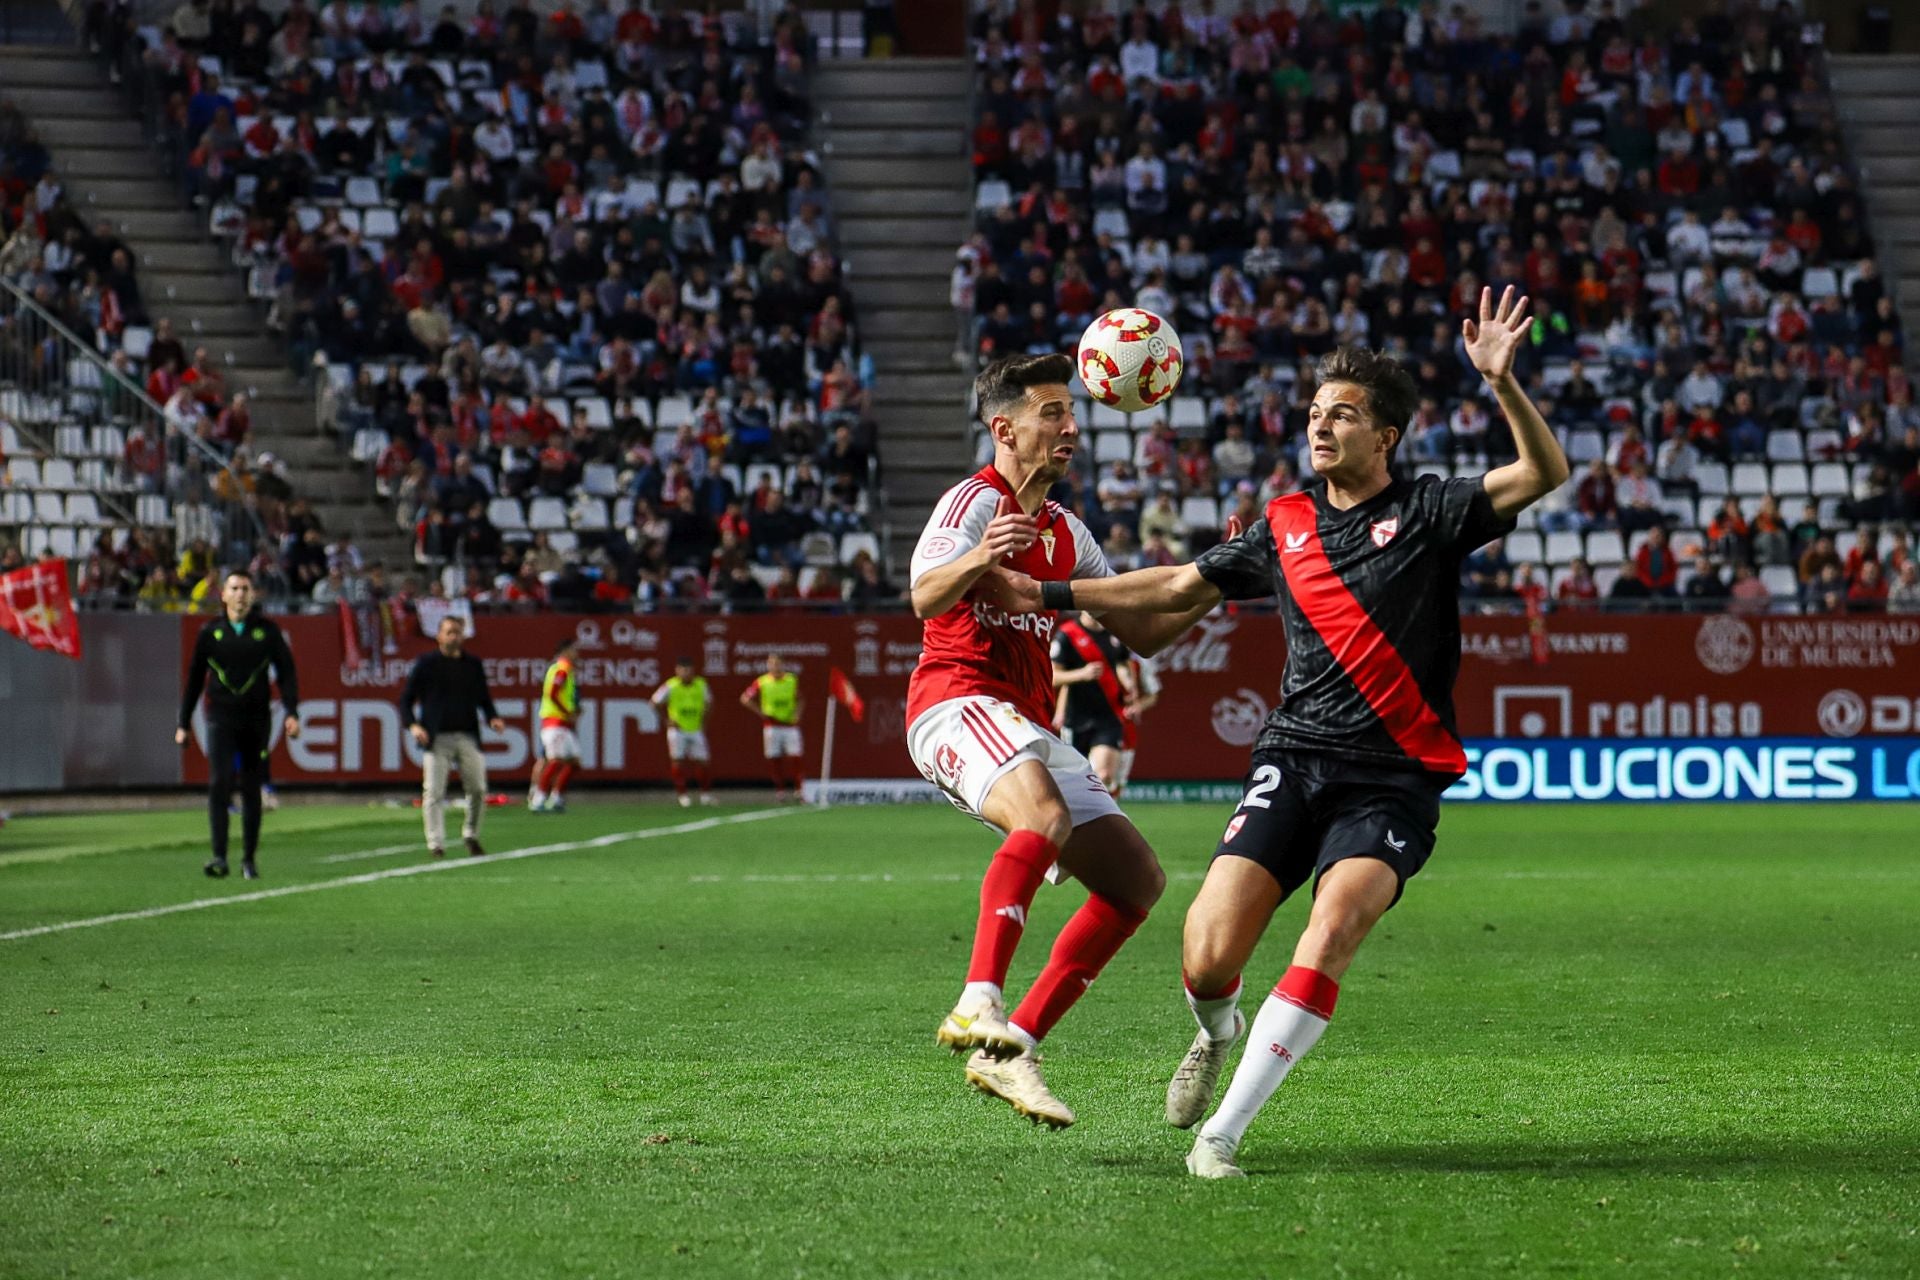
<point x="775" y="697"/>
<point x="559" y="713"/>
<point x="686" y="698"/>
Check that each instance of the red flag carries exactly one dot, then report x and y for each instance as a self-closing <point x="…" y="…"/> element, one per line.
<point x="842" y="690"/>
<point x="36" y="606"/>
<point x="350" y="647"/>
<point x="1537" y="625"/>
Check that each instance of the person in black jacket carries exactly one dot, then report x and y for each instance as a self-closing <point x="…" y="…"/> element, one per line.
<point x="446" y="694"/>
<point x="246" y="653"/>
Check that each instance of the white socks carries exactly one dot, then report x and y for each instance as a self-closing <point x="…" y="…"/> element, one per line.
<point x="1215" y="1014"/>
<point x="988" y="991"/>
<point x="1288" y="1025"/>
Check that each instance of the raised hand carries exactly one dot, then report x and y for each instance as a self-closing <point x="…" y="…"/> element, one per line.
<point x="1235" y="527"/>
<point x="1011" y="530"/>
<point x="1495" y="338"/>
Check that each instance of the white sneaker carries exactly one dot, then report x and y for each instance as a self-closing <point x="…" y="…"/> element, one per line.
<point x="979" y="1023"/>
<point x="536" y="801"/>
<point x="1190" y="1092"/>
<point x="686" y="801"/>
<point x="1212" y="1158"/>
<point x="269" y="799"/>
<point x="1017" y="1081"/>
<point x="707" y="801"/>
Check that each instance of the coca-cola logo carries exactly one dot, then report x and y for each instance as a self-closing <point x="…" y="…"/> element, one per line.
<point x="1238" y="716"/>
<point x="1205" y="648"/>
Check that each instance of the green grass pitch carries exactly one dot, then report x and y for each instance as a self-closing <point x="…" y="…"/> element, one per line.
<point x="1657" y="1041"/>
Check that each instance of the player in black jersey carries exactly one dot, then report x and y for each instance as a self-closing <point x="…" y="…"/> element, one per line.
<point x="1346" y="777"/>
<point x="1093" y="674"/>
<point x="245" y="654"/>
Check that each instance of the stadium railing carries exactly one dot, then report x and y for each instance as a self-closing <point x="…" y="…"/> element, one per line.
<point x="68" y="415"/>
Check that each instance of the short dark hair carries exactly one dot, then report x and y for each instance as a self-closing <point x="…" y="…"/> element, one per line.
<point x="1391" y="392"/>
<point x="683" y="661"/>
<point x="566" y="643"/>
<point x="240" y="572"/>
<point x="1003" y="384"/>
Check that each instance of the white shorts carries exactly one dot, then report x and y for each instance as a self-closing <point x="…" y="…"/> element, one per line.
<point x="780" y="740"/>
<point x="686" y="744"/>
<point x="559" y="743"/>
<point x="965" y="745"/>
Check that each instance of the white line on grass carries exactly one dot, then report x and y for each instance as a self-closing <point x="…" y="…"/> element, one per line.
<point x="386" y="851"/>
<point x="417" y="869"/>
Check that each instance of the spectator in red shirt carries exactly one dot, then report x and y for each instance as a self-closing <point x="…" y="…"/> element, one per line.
<point x="1578" y="589"/>
<point x="1868" y="594"/>
<point x="1655" y="563"/>
<point x="1594" y="497"/>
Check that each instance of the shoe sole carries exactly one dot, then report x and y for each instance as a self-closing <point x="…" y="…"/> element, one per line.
<point x="995" y="1044"/>
<point x="1050" y="1120"/>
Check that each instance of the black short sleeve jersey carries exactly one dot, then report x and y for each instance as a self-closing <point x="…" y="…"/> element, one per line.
<point x="1370" y="600"/>
<point x="1087" y="703"/>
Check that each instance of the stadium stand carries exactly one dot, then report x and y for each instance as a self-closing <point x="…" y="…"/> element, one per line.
<point x="1713" y="338"/>
<point x="566" y="281"/>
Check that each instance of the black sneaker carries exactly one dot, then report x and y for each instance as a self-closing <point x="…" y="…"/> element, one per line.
<point x="248" y="871"/>
<point x="473" y="848"/>
<point x="435" y="851"/>
<point x="217" y="868"/>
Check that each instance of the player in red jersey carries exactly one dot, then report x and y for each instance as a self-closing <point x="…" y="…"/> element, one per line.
<point x="978" y="708"/>
<point x="1344" y="787"/>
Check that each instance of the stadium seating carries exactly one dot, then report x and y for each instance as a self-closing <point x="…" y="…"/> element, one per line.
<point x="1594" y="185"/>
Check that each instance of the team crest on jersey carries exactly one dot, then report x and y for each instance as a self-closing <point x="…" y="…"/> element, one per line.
<point x="1233" y="828"/>
<point x="1383" y="530"/>
<point x="1046" y="540"/>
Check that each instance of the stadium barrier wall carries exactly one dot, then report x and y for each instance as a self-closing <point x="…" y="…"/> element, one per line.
<point x="1575" y="683"/>
<point x="105" y="721"/>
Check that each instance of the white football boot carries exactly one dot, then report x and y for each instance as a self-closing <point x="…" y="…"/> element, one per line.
<point x="978" y="1022"/>
<point x="1017" y="1081"/>
<point x="1190" y="1092"/>
<point x="1213" y="1158"/>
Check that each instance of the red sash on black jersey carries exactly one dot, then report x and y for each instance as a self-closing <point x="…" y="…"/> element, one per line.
<point x="1354" y="641"/>
<point x="1090" y="653"/>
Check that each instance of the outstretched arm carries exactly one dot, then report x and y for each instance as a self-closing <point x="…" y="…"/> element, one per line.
<point x="1492" y="342"/>
<point x="1168" y="589"/>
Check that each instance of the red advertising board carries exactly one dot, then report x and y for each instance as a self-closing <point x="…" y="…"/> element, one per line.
<point x="1719" y="676"/>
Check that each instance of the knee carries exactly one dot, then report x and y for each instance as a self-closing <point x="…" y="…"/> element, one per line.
<point x="1336" y="935"/>
<point x="1150" y="884"/>
<point x="1208" y="957"/>
<point x="1051" y="819"/>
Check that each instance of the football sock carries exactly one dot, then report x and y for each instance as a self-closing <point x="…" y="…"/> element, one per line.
<point x="1214" y="1010"/>
<point x="1288" y="1025"/>
<point x="1093" y="936"/>
<point x="706" y="779"/>
<point x="561" y="777"/>
<point x="1012" y="878"/>
<point x="778" y="773"/>
<point x="679" y="778"/>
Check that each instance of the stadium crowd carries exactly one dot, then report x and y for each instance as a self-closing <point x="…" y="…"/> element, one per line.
<point x="578" y="255"/>
<point x="1712" y="334"/>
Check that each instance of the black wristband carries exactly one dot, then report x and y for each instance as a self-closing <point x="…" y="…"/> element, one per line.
<point x="1057" y="596"/>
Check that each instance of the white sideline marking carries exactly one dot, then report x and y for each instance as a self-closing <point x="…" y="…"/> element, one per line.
<point x="384" y="852"/>
<point x="416" y="869"/>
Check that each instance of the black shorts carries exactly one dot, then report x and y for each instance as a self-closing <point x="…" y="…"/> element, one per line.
<point x="1296" y="819"/>
<point x="1088" y="734"/>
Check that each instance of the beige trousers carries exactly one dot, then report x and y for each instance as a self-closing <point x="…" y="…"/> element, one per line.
<point x="452" y="751"/>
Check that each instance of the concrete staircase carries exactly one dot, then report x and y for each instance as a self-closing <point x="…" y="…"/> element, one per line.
<point x="894" y="136"/>
<point x="111" y="172"/>
<point x="1878" y="99"/>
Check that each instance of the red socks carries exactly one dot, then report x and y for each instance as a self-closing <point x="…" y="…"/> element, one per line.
<point x="1310" y="989"/>
<point x="562" y="775"/>
<point x="679" y="778"/>
<point x="1012" y="878"/>
<point x="1090" y="939"/>
<point x="706" y="780"/>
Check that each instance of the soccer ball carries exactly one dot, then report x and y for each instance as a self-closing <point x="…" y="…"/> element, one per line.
<point x="1130" y="359"/>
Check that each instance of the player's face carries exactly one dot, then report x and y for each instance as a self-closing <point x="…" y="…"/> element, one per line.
<point x="774" y="665"/>
<point x="452" y="634"/>
<point x="1041" y="432"/>
<point x="237" y="594"/>
<point x="1348" y="445"/>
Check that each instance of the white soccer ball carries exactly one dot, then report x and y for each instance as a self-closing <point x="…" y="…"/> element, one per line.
<point x="1130" y="359"/>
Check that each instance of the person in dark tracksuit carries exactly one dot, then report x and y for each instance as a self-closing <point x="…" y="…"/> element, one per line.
<point x="245" y="654"/>
<point x="444" y="704"/>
